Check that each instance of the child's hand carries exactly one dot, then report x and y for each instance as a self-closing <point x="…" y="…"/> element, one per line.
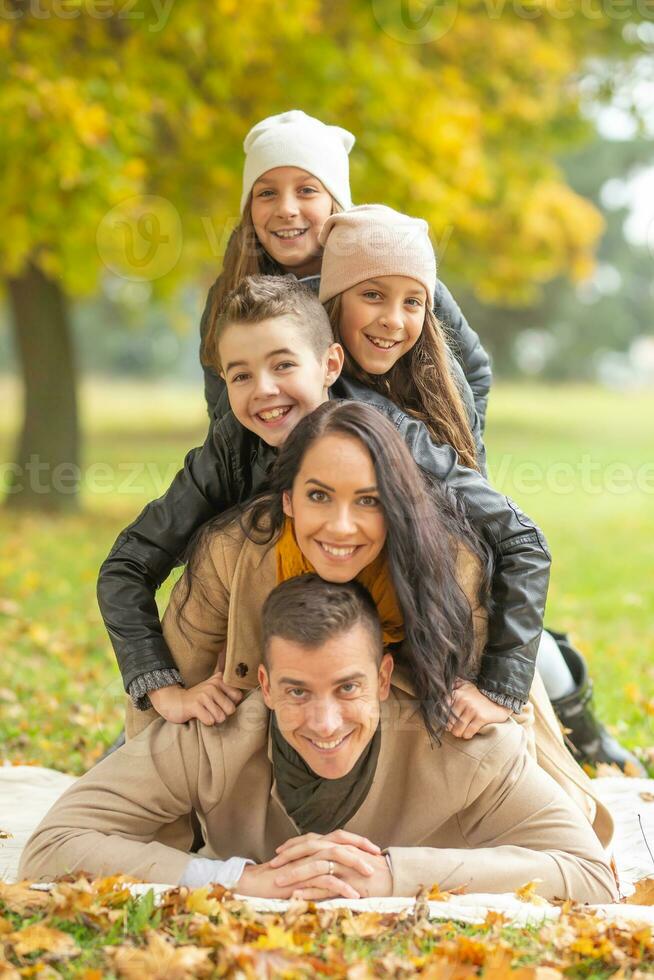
<point x="471" y="710"/>
<point x="210" y="702"/>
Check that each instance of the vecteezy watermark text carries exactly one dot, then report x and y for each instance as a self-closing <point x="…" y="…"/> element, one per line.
<point x="153" y="13"/>
<point x="101" y="479"/>
<point x="520" y="478"/>
<point x="425" y="21"/>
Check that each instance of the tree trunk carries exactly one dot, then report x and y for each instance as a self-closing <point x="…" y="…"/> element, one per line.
<point x="45" y="475"/>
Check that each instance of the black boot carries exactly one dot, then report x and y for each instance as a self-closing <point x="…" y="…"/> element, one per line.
<point x="112" y="748"/>
<point x="586" y="737"/>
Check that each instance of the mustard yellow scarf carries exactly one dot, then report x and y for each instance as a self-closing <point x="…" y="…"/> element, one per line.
<point x="375" y="576"/>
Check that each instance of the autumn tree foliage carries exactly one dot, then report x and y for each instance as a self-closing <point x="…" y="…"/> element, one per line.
<point x="122" y="127"/>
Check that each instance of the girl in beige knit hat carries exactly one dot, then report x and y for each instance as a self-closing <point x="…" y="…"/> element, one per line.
<point x="377" y="284"/>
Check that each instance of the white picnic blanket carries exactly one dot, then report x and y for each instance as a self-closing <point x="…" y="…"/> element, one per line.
<point x="27" y="792"/>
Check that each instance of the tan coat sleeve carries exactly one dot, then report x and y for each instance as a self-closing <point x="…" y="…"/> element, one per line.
<point x="517" y="826"/>
<point x="196" y="630"/>
<point x="107" y="821"/>
<point x="469" y="575"/>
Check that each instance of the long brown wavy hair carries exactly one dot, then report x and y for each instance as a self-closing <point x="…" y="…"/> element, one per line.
<point x="420" y="383"/>
<point x="244" y="256"/>
<point x="425" y="527"/>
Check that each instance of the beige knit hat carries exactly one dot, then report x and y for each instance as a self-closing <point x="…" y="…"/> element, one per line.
<point x="293" y="139"/>
<point x="372" y="240"/>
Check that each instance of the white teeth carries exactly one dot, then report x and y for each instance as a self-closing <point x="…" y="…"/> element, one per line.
<point x="274" y="413"/>
<point x="384" y="344"/>
<point x="338" y="552"/>
<point x="328" y="745"/>
<point x="290" y="232"/>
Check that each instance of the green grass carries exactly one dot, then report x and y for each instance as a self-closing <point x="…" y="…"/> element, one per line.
<point x="61" y="698"/>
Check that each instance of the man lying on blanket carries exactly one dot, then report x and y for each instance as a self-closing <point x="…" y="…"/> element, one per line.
<point x="325" y="783"/>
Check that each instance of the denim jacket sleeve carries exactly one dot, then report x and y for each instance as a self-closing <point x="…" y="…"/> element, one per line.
<point x="467" y="347"/>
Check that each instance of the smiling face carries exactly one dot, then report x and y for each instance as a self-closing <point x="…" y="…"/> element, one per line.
<point x="327" y="700"/>
<point x="334" y="503"/>
<point x="381" y="319"/>
<point x="289" y="207"/>
<point x="273" y="375"/>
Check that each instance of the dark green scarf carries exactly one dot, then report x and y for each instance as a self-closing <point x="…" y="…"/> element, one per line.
<point x="315" y="804"/>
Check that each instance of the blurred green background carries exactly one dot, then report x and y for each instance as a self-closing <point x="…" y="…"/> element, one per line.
<point x="522" y="131"/>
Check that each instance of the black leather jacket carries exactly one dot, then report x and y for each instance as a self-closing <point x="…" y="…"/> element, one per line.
<point x="462" y="339"/>
<point x="233" y="464"/>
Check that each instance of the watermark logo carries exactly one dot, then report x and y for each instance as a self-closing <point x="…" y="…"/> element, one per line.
<point x="141" y="238"/>
<point x="415" y="21"/>
<point x="152" y="13"/>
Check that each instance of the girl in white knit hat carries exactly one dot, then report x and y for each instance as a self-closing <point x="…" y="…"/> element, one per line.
<point x="295" y="175"/>
<point x="377" y="284"/>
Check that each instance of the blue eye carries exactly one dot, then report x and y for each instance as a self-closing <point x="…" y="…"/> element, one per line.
<point x="349" y="688"/>
<point x="372" y="294"/>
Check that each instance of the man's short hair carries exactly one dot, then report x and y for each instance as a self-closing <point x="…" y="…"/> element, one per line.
<point x="308" y="611"/>
<point x="258" y="298"/>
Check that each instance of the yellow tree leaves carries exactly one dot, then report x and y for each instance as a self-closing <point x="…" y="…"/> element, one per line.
<point x="458" y="119"/>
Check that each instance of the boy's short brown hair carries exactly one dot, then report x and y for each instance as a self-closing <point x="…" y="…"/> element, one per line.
<point x="258" y="298"/>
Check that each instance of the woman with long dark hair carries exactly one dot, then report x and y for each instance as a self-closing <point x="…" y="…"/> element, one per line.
<point x="403" y="539"/>
<point x="347" y="501"/>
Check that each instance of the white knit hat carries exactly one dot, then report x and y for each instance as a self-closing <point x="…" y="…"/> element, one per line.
<point x="372" y="240"/>
<point x="293" y="139"/>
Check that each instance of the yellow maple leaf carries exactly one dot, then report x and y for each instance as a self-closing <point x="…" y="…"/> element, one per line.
<point x="366" y="925"/>
<point x="200" y="902"/>
<point x="8" y="972"/>
<point x="42" y="938"/>
<point x="20" y="897"/>
<point x="644" y="894"/>
<point x="277" y="938"/>
<point x="527" y="893"/>
<point x="159" y="959"/>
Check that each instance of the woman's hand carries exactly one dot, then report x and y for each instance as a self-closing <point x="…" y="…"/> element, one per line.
<point x="315" y="863"/>
<point x="470" y="710"/>
<point x="211" y="701"/>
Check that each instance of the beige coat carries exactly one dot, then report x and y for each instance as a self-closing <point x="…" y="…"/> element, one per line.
<point x="222" y="625"/>
<point x="479" y="813"/>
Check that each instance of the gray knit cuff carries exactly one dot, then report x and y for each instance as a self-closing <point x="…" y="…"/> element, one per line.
<point x="505" y="700"/>
<point x="152" y="681"/>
